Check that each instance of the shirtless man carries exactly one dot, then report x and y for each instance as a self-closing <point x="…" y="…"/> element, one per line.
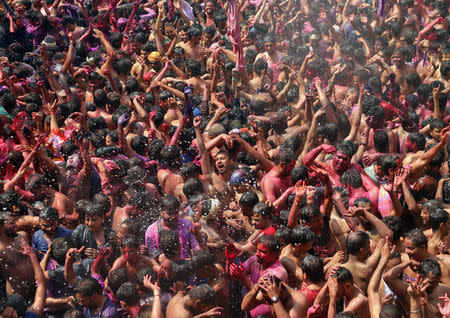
<point x="278" y="179"/>
<point x="416" y="250"/>
<point x="292" y="255"/>
<point x="359" y="263"/>
<point x="192" y="48"/>
<point x="282" y="298"/>
<point x="36" y="185"/>
<point x="427" y="269"/>
<point x="440" y="226"/>
<point x="15" y="266"/>
<point x="169" y="178"/>
<point x="130" y="259"/>
<point x="100" y="101"/>
<point x="400" y="68"/>
<point x="198" y="302"/>
<point x="221" y="176"/>
<point x="272" y="56"/>
<point x="340" y="163"/>
<point x="340" y="284"/>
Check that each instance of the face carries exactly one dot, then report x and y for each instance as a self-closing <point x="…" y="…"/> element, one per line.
<point x="425" y="215"/>
<point x="341" y="161"/>
<point x="183" y="36"/>
<point x="129" y="253"/>
<point x="94" y="222"/>
<point x="264" y="256"/>
<point x="434" y="282"/>
<point x="10" y="227"/>
<point x="170" y="218"/>
<point x="222" y="163"/>
<point x="9" y="312"/>
<point x="136" y="47"/>
<point x="316" y="224"/>
<point x="258" y="221"/>
<point x="397" y="59"/>
<point x="195" y="40"/>
<point x="85" y="301"/>
<point x="170" y="32"/>
<point x="302" y="249"/>
<point x="412" y="249"/>
<point x="209" y="8"/>
<point x="269" y="47"/>
<point x="435" y="134"/>
<point x="48" y="226"/>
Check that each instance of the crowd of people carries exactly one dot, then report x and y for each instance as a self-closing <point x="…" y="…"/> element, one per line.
<point x="224" y="158"/>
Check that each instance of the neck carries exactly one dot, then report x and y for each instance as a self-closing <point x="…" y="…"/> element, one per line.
<point x="354" y="258"/>
<point x="352" y="294"/>
<point x="437" y="235"/>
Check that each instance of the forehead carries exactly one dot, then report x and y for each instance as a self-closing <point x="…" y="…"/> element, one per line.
<point x="408" y="243"/>
<point x="341" y="154"/>
<point x="262" y="247"/>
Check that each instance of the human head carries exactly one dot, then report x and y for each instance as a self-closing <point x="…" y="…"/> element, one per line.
<point x="358" y="244"/>
<point x="130" y="247"/>
<point x="285" y="161"/>
<point x="439" y="221"/>
<point x="342" y="158"/>
<point x="87" y="292"/>
<point x="431" y="270"/>
<point x="345" y="281"/>
<point x="222" y="162"/>
<point x="352" y="179"/>
<point x="436" y="126"/>
<point x="302" y="239"/>
<point x="261" y="216"/>
<point x="267" y="250"/>
<point x="7" y="224"/>
<point x="169" y="243"/>
<point x="115" y="279"/>
<point x="312" y="267"/>
<point x="170" y="211"/>
<point x="201" y="262"/>
<point x="428" y="207"/>
<point x="202" y="298"/>
<point x="312" y="218"/>
<point x="415" y="244"/>
<point x="94" y="217"/>
<point x="128" y="295"/>
<point x="48" y="220"/>
<point x="247" y="201"/>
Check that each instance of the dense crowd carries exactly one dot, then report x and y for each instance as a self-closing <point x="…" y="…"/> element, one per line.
<point x="224" y="158"/>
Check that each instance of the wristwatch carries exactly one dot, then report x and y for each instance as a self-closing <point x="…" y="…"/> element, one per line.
<point x="274" y="299"/>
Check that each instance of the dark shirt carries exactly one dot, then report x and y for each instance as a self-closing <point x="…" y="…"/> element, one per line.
<point x="109" y="310"/>
<point x="40" y="243"/>
<point x="82" y="236"/>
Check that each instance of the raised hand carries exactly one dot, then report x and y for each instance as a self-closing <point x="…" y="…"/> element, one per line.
<point x="400" y="176"/>
<point x="328" y="148"/>
<point x="237" y="271"/>
<point x="444" y="310"/>
<point x="74" y="253"/>
<point x="147" y="281"/>
<point x="231" y="252"/>
<point x="300" y="188"/>
<point x="197" y="122"/>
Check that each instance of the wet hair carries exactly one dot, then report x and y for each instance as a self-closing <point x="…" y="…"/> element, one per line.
<point x="171" y="156"/>
<point x="48" y="214"/>
<point x="283" y="234"/>
<point x="343" y="275"/>
<point x="201" y="259"/>
<point x="128" y="293"/>
<point x="95" y="210"/>
<point x="352" y="178"/>
<point x="313" y="267"/>
<point x="413" y="79"/>
<point x="192" y="186"/>
<point x="417" y="237"/>
<point x="259" y="66"/>
<point x="116" y="278"/>
<point x="301" y="235"/>
<point x="436" y="123"/>
<point x="356" y="241"/>
<point x="285" y="156"/>
<point x="139" y="144"/>
<point x="262" y="209"/>
<point x="387" y="162"/>
<point x="346" y="314"/>
<point x="193" y="31"/>
<point x="103" y="201"/>
<point x="394" y="223"/>
<point x="204" y="293"/>
<point x="381" y="140"/>
<point x="438" y="217"/>
<point x="273" y="243"/>
<point x="73" y="313"/>
<point x="429" y="266"/>
<point x="299" y="173"/>
<point x="193" y="66"/>
<point x="34" y="182"/>
<point x="308" y="212"/>
<point x="59" y="248"/>
<point x="249" y="199"/>
<point x="418" y="139"/>
<point x="130" y="240"/>
<point x="170" y="203"/>
<point x="348" y="147"/>
<point x="141" y="273"/>
<point x="100" y="98"/>
<point x="361" y="202"/>
<point x="88" y="287"/>
<point x="154" y="149"/>
<point x="169" y="242"/>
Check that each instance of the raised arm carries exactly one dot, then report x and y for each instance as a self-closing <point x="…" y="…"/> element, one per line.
<point x="207" y="166"/>
<point x="357" y="119"/>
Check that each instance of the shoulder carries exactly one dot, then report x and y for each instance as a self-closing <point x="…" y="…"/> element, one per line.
<point x="151" y="229"/>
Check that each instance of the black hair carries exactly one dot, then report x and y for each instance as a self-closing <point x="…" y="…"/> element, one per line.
<point x="192" y="186"/>
<point x="262" y="209"/>
<point x="249" y="199"/>
<point x="204" y="293"/>
<point x="128" y="293"/>
<point x="48" y="213"/>
<point x="171" y="156"/>
<point x="308" y="212"/>
<point x="170" y="203"/>
<point x="429" y="266"/>
<point x="201" y="259"/>
<point x="352" y="178"/>
<point x="438" y="217"/>
<point x="356" y="241"/>
<point x="394" y="223"/>
<point x="387" y="162"/>
<point x="390" y="311"/>
<point x="273" y="243"/>
<point x="130" y="240"/>
<point x="381" y="140"/>
<point x="313" y="267"/>
<point x="417" y="237"/>
<point x="301" y="235"/>
<point x="343" y="275"/>
<point x="299" y="173"/>
<point x="285" y="156"/>
<point x="116" y="278"/>
<point x="413" y="79"/>
<point x="88" y="287"/>
<point x="283" y="234"/>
